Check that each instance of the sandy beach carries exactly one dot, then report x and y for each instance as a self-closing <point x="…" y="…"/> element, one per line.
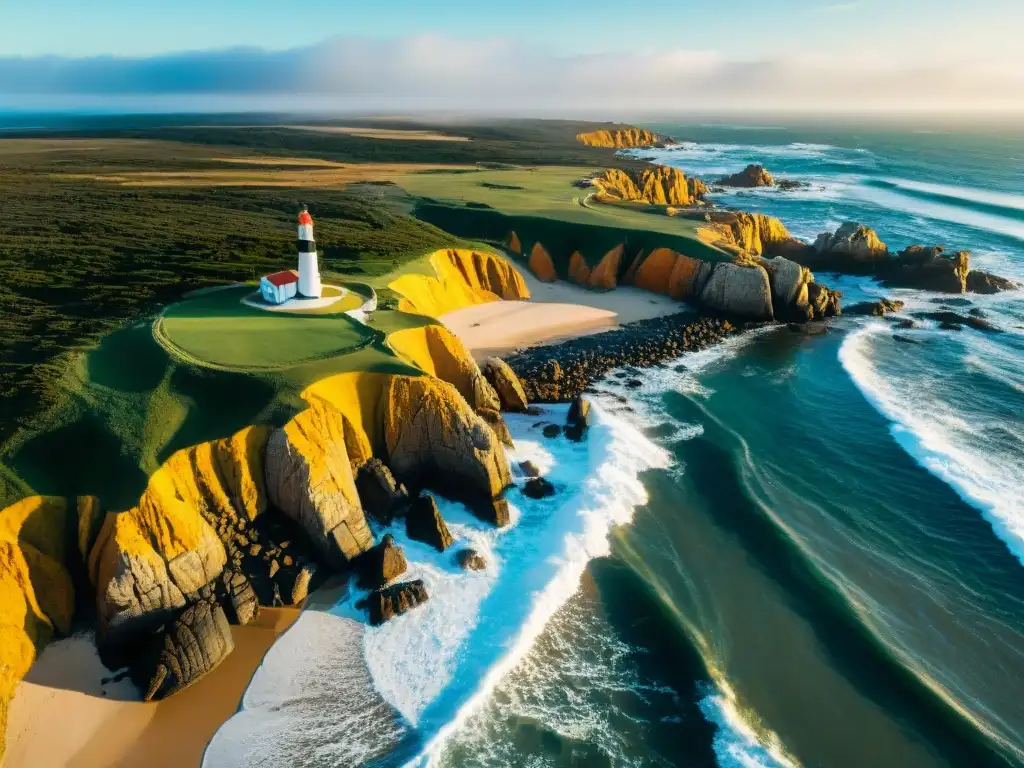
<point x="69" y="712"/>
<point x="556" y="311"/>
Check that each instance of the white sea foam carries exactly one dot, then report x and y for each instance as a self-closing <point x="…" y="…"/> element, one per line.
<point x="934" y="433"/>
<point x="437" y="664"/>
<point x="972" y="194"/>
<point x="738" y="743"/>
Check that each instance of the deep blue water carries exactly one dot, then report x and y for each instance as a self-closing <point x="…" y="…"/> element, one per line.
<point x="829" y="570"/>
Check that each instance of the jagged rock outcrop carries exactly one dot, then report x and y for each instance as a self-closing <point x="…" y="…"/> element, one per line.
<point x="462" y="278"/>
<point x="754" y="233"/>
<point x="697" y="189"/>
<point x="789" y="285"/>
<point x="927" y="268"/>
<point x="876" y="308"/>
<point x="619" y="138"/>
<point x="424" y="523"/>
<point x="579" y="272"/>
<point x="538" y="488"/>
<point x="394" y="600"/>
<point x="238" y="597"/>
<point x="751" y="176"/>
<point x="855" y="242"/>
<point x="381" y="564"/>
<point x="506" y="384"/>
<point x="659" y="185"/>
<point x="824" y="302"/>
<point x="382" y="496"/>
<point x="193" y="645"/>
<point x="541" y="264"/>
<point x="433" y="439"/>
<point x="604" y="277"/>
<point x="147" y="560"/>
<point x="309" y="478"/>
<point x="513" y="244"/>
<point x="743" y="291"/>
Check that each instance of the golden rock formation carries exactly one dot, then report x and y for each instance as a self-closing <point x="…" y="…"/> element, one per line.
<point x="309" y="478"/>
<point x="660" y="185"/>
<point x="604" y="277"/>
<point x="506" y="384"/>
<point x="622" y="138"/>
<point x="514" y="245"/>
<point x="752" y="233"/>
<point x="579" y="272"/>
<point x="462" y="278"/>
<point x="854" y="240"/>
<point x="37" y="596"/>
<point x="541" y="264"/>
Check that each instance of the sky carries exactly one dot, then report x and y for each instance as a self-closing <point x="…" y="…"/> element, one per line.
<point x="542" y="55"/>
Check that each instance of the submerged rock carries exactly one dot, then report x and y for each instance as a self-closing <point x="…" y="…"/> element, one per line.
<point x="953" y="321"/>
<point x="552" y="430"/>
<point x="538" y="488"/>
<point x="529" y="469"/>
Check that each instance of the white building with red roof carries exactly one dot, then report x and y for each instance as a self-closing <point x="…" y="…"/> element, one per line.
<point x="280" y="286"/>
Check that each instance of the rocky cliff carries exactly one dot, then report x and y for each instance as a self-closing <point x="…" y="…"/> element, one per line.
<point x="752" y="233"/>
<point x="461" y="278"/>
<point x="659" y="185"/>
<point x="620" y="138"/>
<point x="604" y="277"/>
<point x="37" y="595"/>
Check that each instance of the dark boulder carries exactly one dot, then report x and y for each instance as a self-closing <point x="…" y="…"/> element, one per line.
<point x="552" y="430"/>
<point x="985" y="282"/>
<point x="952" y="321"/>
<point x="380" y="564"/>
<point x="381" y="496"/>
<point x="751" y="176"/>
<point x="394" y="600"/>
<point x="470" y="560"/>
<point x="423" y="522"/>
<point x="926" y="268"/>
<point x="190" y="647"/>
<point x="538" y="488"/>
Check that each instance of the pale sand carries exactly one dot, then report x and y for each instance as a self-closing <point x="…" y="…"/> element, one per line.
<point x="556" y="311"/>
<point x="63" y="715"/>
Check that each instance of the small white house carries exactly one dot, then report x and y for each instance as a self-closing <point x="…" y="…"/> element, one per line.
<point x="280" y="286"/>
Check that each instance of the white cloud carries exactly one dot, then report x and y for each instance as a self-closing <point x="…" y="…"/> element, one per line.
<point x="505" y="76"/>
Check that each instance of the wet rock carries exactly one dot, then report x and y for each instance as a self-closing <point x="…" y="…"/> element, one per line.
<point x="381" y="495"/>
<point x="578" y="419"/>
<point x="985" y="282"/>
<point x="552" y="430"/>
<point x="470" y="560"/>
<point x="381" y="564"/>
<point x="875" y="308"/>
<point x="904" y="339"/>
<point x="952" y="321"/>
<point x="395" y="600"/>
<point x="192" y="645"/>
<point x="424" y="523"/>
<point x="529" y="469"/>
<point x="751" y="176"/>
<point x="538" y="488"/>
<point x="906" y="324"/>
<point x="634" y="383"/>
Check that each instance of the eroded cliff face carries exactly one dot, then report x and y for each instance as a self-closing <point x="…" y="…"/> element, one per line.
<point x="604" y="277"/>
<point x="660" y="185"/>
<point x="461" y="278"/>
<point x="37" y="596"/>
<point x="753" y="233"/>
<point x="621" y="138"/>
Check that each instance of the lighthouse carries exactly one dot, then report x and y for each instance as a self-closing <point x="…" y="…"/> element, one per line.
<point x="309" y="271"/>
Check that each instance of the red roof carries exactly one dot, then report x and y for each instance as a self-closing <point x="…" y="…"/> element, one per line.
<point x="286" y="277"/>
<point x="305" y="218"/>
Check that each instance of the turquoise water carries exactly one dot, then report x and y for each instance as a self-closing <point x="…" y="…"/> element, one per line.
<point x="829" y="570"/>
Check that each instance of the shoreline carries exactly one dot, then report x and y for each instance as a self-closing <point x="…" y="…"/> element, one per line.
<point x="102" y="720"/>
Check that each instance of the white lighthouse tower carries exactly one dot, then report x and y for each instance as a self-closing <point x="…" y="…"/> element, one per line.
<point x="309" y="271"/>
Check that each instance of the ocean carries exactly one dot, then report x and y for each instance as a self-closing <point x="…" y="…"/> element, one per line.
<point x="785" y="550"/>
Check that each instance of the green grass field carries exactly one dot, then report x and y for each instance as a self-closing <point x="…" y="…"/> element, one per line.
<point x="218" y="330"/>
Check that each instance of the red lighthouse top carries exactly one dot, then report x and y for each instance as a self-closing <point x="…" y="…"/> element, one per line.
<point x="305" y="218"/>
